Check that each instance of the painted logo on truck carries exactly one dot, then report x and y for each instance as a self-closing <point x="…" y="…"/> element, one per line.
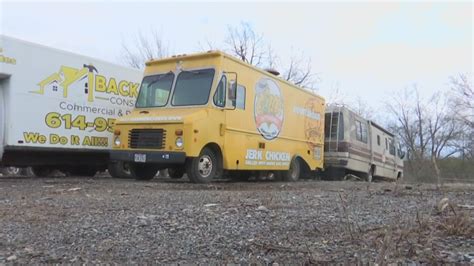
<point x="268" y="108"/>
<point x="70" y="82"/>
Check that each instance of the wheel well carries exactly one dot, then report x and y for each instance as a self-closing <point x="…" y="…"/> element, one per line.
<point x="217" y="149"/>
<point x="305" y="169"/>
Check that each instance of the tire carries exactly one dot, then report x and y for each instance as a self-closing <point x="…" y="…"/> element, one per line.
<point x="12" y="171"/>
<point x="141" y="171"/>
<point x="202" y="169"/>
<point x="41" y="171"/>
<point x="370" y="175"/>
<point x="176" y="173"/>
<point x="119" y="170"/>
<point x="293" y="174"/>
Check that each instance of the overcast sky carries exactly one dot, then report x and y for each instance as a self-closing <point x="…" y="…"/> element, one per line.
<point x="366" y="49"/>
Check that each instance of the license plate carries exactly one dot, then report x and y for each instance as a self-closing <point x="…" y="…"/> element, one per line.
<point x="140" y="158"/>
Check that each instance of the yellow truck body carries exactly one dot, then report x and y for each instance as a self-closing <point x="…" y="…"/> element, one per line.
<point x="250" y="120"/>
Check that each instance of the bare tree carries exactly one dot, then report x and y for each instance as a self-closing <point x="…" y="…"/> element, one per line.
<point x="250" y="46"/>
<point x="244" y="43"/>
<point x="427" y="127"/>
<point x="144" y="48"/>
<point x="462" y="104"/>
<point x="299" y="71"/>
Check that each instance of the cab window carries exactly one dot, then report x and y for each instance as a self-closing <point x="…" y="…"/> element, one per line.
<point x="219" y="96"/>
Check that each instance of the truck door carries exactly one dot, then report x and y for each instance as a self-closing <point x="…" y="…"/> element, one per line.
<point x="2" y="114"/>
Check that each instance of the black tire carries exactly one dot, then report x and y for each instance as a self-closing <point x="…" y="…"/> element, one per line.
<point x="370" y="175"/>
<point x="12" y="171"/>
<point x="202" y="169"/>
<point x="41" y="171"/>
<point x="85" y="171"/>
<point x="119" y="170"/>
<point x="141" y="171"/>
<point x="176" y="172"/>
<point x="294" y="173"/>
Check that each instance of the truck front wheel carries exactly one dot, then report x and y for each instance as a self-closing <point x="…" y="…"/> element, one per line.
<point x="119" y="170"/>
<point x="141" y="171"/>
<point x="202" y="169"/>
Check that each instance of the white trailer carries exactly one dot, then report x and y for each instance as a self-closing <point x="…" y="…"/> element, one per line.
<point x="57" y="108"/>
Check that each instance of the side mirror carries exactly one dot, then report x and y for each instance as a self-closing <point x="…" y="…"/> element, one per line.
<point x="232" y="90"/>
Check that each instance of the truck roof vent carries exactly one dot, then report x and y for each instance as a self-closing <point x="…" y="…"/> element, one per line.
<point x="272" y="71"/>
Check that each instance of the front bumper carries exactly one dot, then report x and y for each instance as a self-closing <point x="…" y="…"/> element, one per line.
<point x="157" y="157"/>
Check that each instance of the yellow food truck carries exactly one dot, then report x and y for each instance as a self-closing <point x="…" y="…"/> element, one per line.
<point x="210" y="114"/>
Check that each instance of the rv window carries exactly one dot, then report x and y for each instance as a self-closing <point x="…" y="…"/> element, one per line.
<point x="240" y="101"/>
<point x="361" y="131"/>
<point x="334" y="125"/>
<point x="155" y="90"/>
<point x="392" y="147"/>
<point x="193" y="87"/>
<point x="378" y="140"/>
<point x="219" y="96"/>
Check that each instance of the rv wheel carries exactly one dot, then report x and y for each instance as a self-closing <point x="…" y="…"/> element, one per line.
<point x="11" y="171"/>
<point x="41" y="171"/>
<point x="142" y="171"/>
<point x="370" y="175"/>
<point x="202" y="169"/>
<point x="293" y="174"/>
<point x="176" y="173"/>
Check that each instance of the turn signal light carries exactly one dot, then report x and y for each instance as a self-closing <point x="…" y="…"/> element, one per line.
<point x="179" y="132"/>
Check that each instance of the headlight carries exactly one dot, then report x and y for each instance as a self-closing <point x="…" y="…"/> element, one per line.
<point x="117" y="141"/>
<point x="179" y="142"/>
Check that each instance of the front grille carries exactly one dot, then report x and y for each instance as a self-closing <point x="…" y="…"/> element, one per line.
<point x="147" y="138"/>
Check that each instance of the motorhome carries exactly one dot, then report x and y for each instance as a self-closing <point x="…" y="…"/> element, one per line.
<point x="57" y="109"/>
<point x="360" y="146"/>
<point x="209" y="113"/>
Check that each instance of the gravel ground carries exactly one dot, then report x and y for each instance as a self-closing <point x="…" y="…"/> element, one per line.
<point x="105" y="220"/>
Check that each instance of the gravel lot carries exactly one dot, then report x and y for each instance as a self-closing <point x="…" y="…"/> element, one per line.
<point x="102" y="220"/>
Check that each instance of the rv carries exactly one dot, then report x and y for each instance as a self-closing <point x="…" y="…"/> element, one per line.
<point x="360" y="146"/>
<point x="57" y="109"/>
<point x="210" y="114"/>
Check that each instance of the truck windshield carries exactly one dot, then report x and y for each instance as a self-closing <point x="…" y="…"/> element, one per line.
<point x="155" y="90"/>
<point x="193" y="87"/>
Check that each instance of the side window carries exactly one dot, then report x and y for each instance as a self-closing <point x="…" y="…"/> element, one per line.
<point x="392" y="147"/>
<point x="219" y="96"/>
<point x="240" y="101"/>
<point x="358" y="132"/>
<point x="386" y="143"/>
<point x="378" y="140"/>
<point x="364" y="132"/>
<point x="361" y="131"/>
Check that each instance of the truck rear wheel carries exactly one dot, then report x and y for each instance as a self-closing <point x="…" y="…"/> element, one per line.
<point x="119" y="170"/>
<point x="176" y="172"/>
<point x="141" y="171"/>
<point x="293" y="174"/>
<point x="202" y="169"/>
<point x="41" y="171"/>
